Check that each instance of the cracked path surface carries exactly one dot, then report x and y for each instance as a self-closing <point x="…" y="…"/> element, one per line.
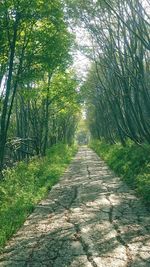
<point x="89" y="219"/>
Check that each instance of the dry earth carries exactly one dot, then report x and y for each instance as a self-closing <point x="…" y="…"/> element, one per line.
<point x="90" y="219"/>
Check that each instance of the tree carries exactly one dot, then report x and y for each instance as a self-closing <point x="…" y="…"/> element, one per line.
<point x="35" y="44"/>
<point x="120" y="95"/>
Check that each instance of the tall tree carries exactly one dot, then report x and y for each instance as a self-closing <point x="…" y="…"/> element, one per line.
<point x="119" y="32"/>
<point x="35" y="43"/>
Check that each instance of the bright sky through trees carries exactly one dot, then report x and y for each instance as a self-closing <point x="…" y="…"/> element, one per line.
<point x="81" y="62"/>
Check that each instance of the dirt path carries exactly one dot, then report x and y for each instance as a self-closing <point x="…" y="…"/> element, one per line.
<point x="90" y="219"/>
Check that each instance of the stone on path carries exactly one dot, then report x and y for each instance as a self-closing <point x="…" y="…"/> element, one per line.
<point x="89" y="219"/>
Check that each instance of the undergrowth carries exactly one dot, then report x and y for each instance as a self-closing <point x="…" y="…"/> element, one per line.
<point x="131" y="162"/>
<point x="26" y="184"/>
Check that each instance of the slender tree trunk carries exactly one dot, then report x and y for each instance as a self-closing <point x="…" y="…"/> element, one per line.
<point x="4" y="118"/>
<point x="46" y="117"/>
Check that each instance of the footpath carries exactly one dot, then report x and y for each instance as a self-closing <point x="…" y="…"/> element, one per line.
<point x="89" y="219"/>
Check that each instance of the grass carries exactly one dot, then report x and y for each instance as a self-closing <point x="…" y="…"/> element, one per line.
<point x="131" y="162"/>
<point x="26" y="184"/>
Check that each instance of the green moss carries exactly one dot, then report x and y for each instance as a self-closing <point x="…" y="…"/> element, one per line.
<point x="26" y="184"/>
<point x="131" y="162"/>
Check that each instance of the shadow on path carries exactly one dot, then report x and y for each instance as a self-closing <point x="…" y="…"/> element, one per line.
<point x="90" y="219"/>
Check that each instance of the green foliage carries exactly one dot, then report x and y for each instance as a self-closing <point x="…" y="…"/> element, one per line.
<point x="131" y="162"/>
<point x="34" y="47"/>
<point x="26" y="184"/>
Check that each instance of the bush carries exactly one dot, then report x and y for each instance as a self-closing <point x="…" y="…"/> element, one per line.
<point x="131" y="162"/>
<point x="26" y="184"/>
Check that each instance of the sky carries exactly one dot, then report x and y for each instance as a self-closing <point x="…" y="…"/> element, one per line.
<point x="81" y="62"/>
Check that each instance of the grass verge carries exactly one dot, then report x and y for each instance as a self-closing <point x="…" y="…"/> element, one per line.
<point x="131" y="162"/>
<point x="26" y="184"/>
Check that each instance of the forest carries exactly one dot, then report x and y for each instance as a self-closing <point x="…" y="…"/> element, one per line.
<point x="42" y="97"/>
<point x="38" y="99"/>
